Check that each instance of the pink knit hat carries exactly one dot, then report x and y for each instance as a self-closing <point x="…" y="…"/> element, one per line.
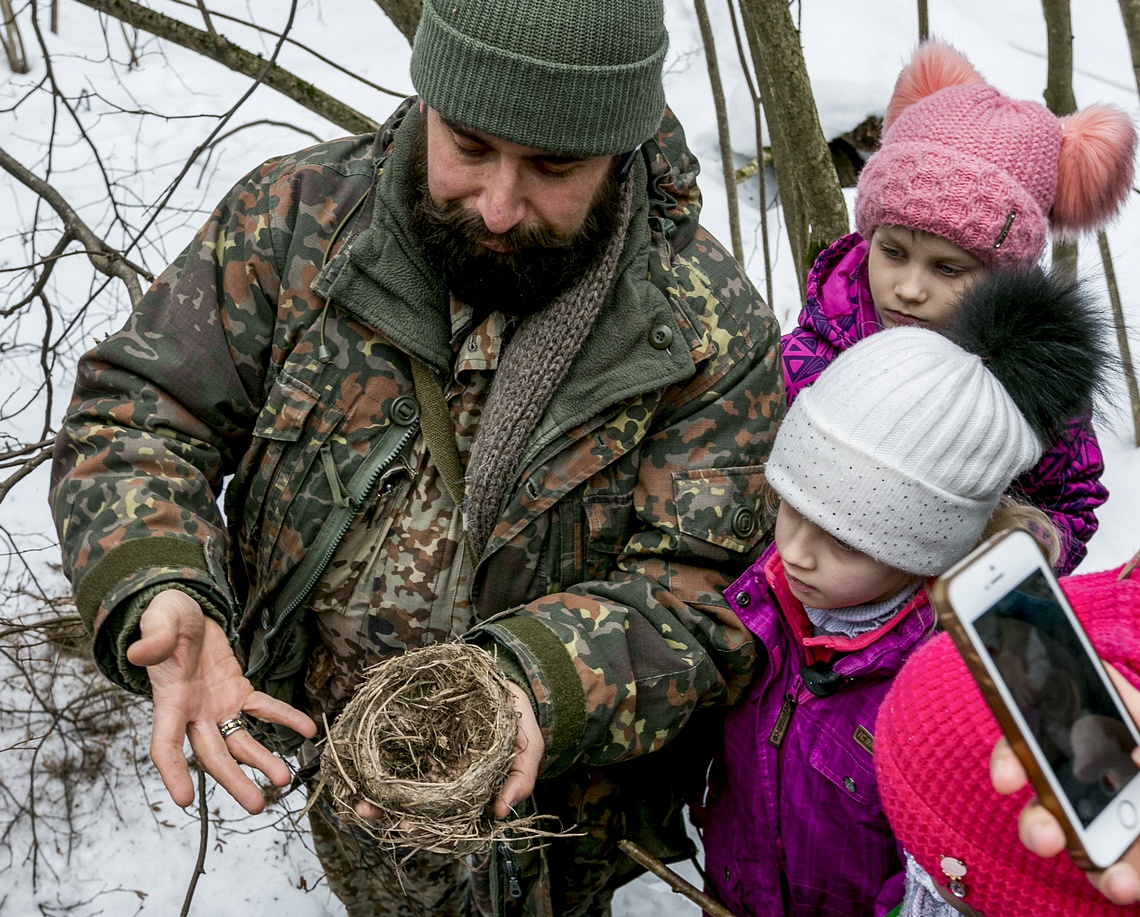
<point x="933" y="740"/>
<point x="991" y="174"/>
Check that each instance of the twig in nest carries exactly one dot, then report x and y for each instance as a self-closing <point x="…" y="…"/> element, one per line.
<point x="428" y="740"/>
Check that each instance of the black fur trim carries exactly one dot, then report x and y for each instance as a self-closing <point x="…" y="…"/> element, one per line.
<point x="1044" y="337"/>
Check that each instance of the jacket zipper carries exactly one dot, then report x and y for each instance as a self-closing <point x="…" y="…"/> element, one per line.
<point x="358" y="490"/>
<point x="511" y="869"/>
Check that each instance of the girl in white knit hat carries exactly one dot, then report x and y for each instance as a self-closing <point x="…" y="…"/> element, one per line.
<point x="890" y="468"/>
<point x="966" y="180"/>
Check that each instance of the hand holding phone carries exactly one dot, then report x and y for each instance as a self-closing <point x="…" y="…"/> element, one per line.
<point x="1049" y="692"/>
<point x="1041" y="833"/>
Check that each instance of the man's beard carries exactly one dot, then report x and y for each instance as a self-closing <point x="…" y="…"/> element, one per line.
<point x="538" y="265"/>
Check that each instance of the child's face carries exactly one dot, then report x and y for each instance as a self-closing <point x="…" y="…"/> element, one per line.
<point x="915" y="277"/>
<point x="823" y="572"/>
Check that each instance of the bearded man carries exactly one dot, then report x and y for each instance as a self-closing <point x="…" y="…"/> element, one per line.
<point x="480" y="375"/>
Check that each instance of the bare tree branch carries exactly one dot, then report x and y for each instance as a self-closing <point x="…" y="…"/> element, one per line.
<point x="327" y="61"/>
<point x="206" y="18"/>
<point x="24" y="470"/>
<point x="105" y="259"/>
<point x="405" y="15"/>
<point x="238" y="59"/>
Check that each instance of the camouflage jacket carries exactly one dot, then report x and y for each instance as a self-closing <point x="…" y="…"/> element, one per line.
<point x="275" y="350"/>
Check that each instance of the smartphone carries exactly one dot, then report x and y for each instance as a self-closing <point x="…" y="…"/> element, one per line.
<point x="1048" y="690"/>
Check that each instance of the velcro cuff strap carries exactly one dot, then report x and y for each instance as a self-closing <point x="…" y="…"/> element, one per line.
<point x="567" y="697"/>
<point x="119" y="563"/>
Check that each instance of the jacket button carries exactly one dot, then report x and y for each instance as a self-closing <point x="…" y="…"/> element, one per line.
<point x="661" y="337"/>
<point x="531" y="488"/>
<point x="850" y="784"/>
<point x="404" y="410"/>
<point x="726" y="874"/>
<point x="743" y="599"/>
<point x="743" y="522"/>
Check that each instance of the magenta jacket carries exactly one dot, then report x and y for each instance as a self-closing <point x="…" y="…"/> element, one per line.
<point x="839" y="311"/>
<point x="792" y="824"/>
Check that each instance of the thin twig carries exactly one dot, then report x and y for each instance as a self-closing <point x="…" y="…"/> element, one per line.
<point x="674" y="881"/>
<point x="25" y="469"/>
<point x="206" y="18"/>
<point x="104" y="258"/>
<point x="1129" y="567"/>
<point x="203" y="841"/>
<point x="327" y="61"/>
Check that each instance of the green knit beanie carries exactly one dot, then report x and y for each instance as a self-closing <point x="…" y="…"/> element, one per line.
<point x="574" y="77"/>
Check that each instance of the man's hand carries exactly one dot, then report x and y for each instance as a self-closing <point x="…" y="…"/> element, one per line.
<point x="1041" y="833"/>
<point x="197" y="684"/>
<point x="529" y="749"/>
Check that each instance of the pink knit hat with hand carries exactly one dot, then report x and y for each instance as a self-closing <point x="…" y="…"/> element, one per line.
<point x="933" y="740"/>
<point x="991" y="174"/>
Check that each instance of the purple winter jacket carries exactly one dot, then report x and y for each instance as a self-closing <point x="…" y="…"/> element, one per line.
<point x="792" y="824"/>
<point x="839" y="311"/>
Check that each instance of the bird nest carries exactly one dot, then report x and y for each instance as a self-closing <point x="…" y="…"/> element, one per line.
<point x="428" y="741"/>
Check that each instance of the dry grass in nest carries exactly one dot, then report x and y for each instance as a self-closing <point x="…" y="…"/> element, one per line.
<point x="428" y="740"/>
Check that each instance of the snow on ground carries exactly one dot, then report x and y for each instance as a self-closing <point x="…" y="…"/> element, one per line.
<point x="133" y="851"/>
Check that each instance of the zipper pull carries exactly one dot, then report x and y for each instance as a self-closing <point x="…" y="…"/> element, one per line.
<point x="511" y="868"/>
<point x="776" y="737"/>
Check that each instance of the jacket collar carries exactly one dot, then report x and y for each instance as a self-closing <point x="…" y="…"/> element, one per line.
<point x="381" y="277"/>
<point x="838" y="305"/>
<point x="879" y="652"/>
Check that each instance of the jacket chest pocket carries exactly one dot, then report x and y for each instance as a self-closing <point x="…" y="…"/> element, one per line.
<point x="608" y="518"/>
<point x="287" y="439"/>
<point x="839" y="752"/>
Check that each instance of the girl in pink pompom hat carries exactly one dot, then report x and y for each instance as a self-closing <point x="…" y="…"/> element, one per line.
<point x="967" y="179"/>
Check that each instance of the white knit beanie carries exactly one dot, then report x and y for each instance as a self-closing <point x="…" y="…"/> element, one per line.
<point x="902" y="449"/>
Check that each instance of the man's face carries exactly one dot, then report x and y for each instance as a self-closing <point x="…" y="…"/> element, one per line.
<point x="509" y="227"/>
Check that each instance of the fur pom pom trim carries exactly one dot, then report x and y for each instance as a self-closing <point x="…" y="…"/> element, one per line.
<point x="935" y="65"/>
<point x="1095" y="168"/>
<point x="1046" y="339"/>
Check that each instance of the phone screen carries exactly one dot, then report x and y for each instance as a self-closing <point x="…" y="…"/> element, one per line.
<point x="1060" y="694"/>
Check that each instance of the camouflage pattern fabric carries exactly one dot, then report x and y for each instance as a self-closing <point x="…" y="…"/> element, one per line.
<point x="370" y="884"/>
<point x="274" y="350"/>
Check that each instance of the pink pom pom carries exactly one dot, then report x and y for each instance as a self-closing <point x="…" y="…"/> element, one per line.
<point x="934" y="66"/>
<point x="1094" y="172"/>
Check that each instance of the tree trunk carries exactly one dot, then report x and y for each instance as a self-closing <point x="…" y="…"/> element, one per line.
<point x="225" y="52"/>
<point x="11" y="39"/>
<point x="1130" y="12"/>
<point x="1121" y="334"/>
<point x="814" y="210"/>
<point x="405" y="15"/>
<point x="761" y="168"/>
<point x="1059" y="98"/>
<point x="723" y="134"/>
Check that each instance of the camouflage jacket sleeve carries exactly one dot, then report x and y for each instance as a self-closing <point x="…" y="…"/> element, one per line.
<point x="616" y="667"/>
<point x="162" y="412"/>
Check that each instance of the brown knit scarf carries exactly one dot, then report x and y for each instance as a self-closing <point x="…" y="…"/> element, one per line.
<point x="533" y="365"/>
